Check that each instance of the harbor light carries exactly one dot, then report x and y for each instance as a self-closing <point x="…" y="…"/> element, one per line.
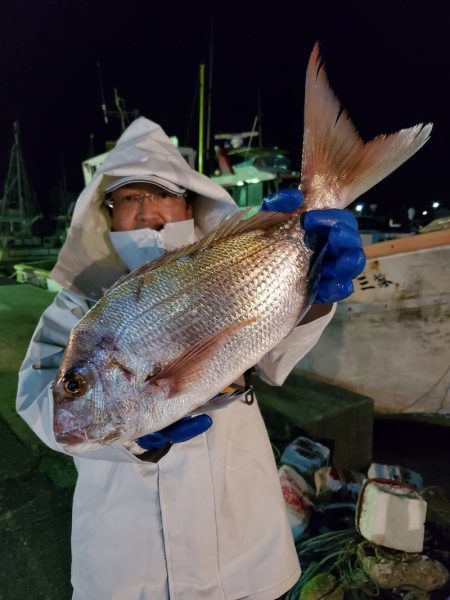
<point x="436" y="204"/>
<point x="424" y="212"/>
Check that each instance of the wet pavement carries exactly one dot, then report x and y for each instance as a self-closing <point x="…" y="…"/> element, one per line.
<point x="36" y="484"/>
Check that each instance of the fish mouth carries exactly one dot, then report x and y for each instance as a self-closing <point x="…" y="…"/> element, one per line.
<point x="72" y="430"/>
<point x="81" y="437"/>
<point x="71" y="438"/>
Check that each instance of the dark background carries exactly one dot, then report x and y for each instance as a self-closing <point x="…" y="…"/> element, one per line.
<point x="389" y="63"/>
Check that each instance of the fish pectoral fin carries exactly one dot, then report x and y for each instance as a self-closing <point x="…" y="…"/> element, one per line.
<point x="221" y="400"/>
<point x="190" y="365"/>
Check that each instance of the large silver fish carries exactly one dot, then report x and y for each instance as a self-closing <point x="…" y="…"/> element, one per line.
<point x="171" y="335"/>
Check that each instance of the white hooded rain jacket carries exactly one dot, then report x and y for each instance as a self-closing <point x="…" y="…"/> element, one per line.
<point x="208" y="520"/>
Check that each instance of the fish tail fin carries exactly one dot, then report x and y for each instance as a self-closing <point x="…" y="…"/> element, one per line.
<point x="337" y="166"/>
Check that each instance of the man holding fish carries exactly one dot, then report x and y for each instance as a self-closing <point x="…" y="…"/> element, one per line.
<point x="177" y="493"/>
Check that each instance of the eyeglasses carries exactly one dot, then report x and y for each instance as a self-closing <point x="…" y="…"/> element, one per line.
<point x="133" y="200"/>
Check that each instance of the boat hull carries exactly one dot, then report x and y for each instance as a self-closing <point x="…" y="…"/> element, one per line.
<point x="391" y="339"/>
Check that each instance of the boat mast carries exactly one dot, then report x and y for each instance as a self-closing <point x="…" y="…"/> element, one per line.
<point x="209" y="153"/>
<point x="122" y="113"/>
<point x="259" y="115"/>
<point x="201" y="117"/>
<point x="18" y="203"/>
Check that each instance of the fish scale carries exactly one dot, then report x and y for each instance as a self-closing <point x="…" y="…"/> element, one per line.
<point x="171" y="335"/>
<point x="190" y="301"/>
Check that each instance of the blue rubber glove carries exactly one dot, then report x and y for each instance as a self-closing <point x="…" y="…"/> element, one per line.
<point x="286" y="200"/>
<point x="344" y="258"/>
<point x="181" y="431"/>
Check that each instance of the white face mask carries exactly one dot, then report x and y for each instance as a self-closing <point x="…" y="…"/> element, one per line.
<point x="141" y="246"/>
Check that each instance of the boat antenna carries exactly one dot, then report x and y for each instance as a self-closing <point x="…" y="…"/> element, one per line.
<point x="102" y="94"/>
<point x="259" y="115"/>
<point x="209" y="98"/>
<point x="63" y="180"/>
<point x="91" y="144"/>
<point x="121" y="113"/>
<point x="121" y="110"/>
<point x="252" y="134"/>
<point x="18" y="167"/>
<point x="201" y="117"/>
<point x="188" y="134"/>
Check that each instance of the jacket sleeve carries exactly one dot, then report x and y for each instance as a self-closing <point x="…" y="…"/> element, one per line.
<point x="276" y="365"/>
<point x="34" y="397"/>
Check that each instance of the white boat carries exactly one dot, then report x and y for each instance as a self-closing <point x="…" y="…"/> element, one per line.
<point x="248" y="186"/>
<point x="391" y="339"/>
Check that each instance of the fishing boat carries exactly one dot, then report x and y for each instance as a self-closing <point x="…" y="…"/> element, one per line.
<point x="268" y="159"/>
<point x="390" y="340"/>
<point x="19" y="215"/>
<point x="249" y="173"/>
<point x="248" y="186"/>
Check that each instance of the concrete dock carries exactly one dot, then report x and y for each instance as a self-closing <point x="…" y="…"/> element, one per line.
<point x="36" y="484"/>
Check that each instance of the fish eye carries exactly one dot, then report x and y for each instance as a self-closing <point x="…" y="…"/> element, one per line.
<point x="74" y="384"/>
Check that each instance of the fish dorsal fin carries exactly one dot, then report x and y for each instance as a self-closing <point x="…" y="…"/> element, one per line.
<point x="337" y="166"/>
<point x="233" y="225"/>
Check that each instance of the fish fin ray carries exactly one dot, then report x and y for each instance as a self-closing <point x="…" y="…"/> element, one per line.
<point x="121" y="280"/>
<point x="334" y="155"/>
<point x="221" y="400"/>
<point x="236" y="224"/>
<point x="143" y="269"/>
<point x="190" y="365"/>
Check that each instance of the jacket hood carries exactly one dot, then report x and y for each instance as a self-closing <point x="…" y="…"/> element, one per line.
<point x="88" y="263"/>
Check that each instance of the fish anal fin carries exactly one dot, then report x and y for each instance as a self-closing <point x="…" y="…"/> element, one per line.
<point x="190" y="365"/>
<point x="223" y="399"/>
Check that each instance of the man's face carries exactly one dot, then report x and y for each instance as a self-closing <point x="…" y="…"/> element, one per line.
<point x="144" y="205"/>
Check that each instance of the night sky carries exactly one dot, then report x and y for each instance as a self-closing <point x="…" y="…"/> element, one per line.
<point x="389" y="63"/>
